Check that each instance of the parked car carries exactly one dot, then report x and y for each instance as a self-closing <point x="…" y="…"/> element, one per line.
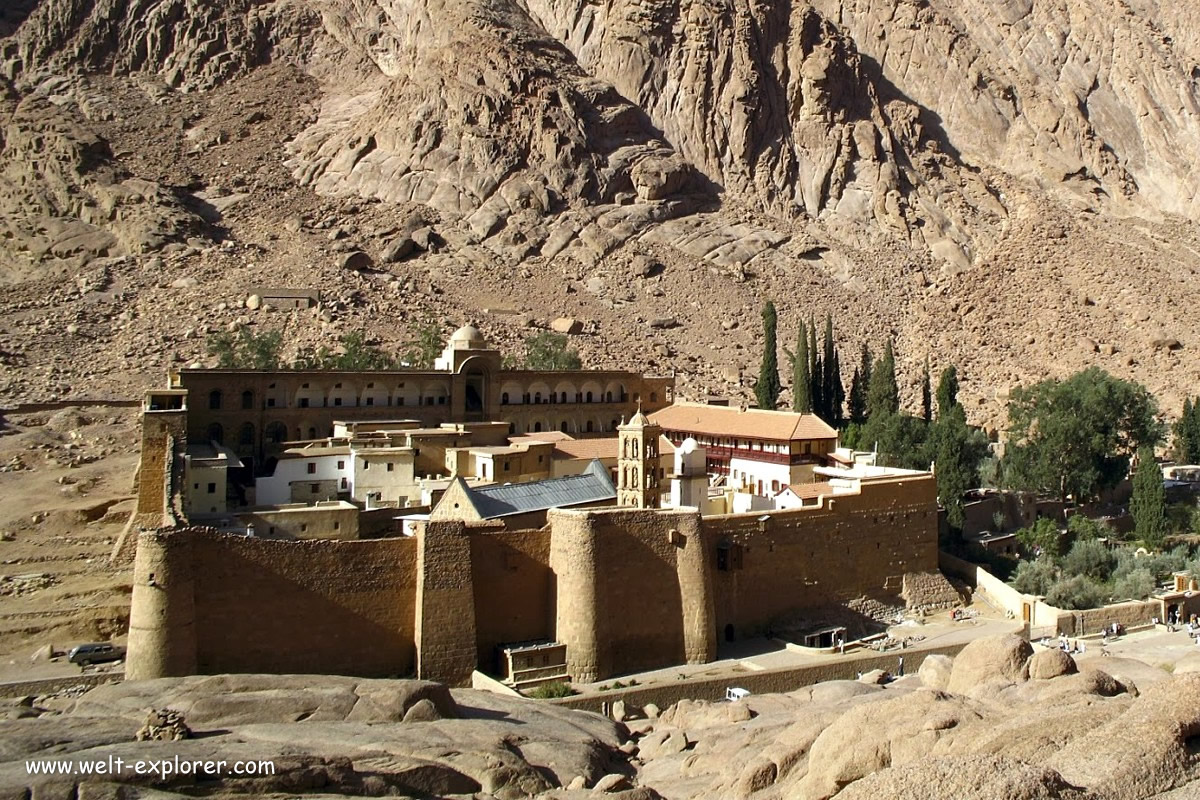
<point x="96" y="653"/>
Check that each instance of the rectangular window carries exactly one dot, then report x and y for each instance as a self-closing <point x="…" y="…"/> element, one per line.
<point x="366" y="464"/>
<point x="399" y="401"/>
<point x="337" y="526"/>
<point x="341" y="465"/>
<point x="316" y="487"/>
<point x="212" y="488"/>
<point x="303" y="528"/>
<point x="370" y="401"/>
<point x="270" y="402"/>
<point x="304" y="402"/>
<point x="506" y="466"/>
<point x="391" y="467"/>
<point x="312" y="468"/>
<point x="337" y="401"/>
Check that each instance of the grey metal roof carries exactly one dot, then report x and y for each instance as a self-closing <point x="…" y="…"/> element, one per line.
<point x="591" y="486"/>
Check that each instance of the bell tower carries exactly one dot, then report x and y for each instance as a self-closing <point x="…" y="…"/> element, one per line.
<point x="638" y="484"/>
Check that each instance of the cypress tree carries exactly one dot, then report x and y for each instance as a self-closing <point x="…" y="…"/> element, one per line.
<point x="858" y="398"/>
<point x="926" y="394"/>
<point x="767" y="388"/>
<point x="947" y="391"/>
<point x="801" y="380"/>
<point x="1149" y="502"/>
<point x="883" y="393"/>
<point x="815" y="372"/>
<point x="839" y="392"/>
<point x="828" y="397"/>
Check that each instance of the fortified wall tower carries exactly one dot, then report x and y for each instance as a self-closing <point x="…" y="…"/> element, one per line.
<point x="634" y="591"/>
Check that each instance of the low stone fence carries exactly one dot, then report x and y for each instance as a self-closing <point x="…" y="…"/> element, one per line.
<point x="52" y="685"/>
<point x="784" y="679"/>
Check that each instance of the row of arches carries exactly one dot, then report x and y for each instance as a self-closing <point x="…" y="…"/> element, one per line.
<point x="564" y="425"/>
<point x="339" y="394"/>
<point x="538" y="392"/>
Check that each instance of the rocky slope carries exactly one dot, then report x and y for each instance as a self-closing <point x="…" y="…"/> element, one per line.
<point x="998" y="721"/>
<point x="1003" y="185"/>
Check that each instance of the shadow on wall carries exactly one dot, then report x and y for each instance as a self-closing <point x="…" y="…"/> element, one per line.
<point x="290" y="615"/>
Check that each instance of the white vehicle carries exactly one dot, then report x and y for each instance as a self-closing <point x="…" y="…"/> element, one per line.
<point x="733" y="694"/>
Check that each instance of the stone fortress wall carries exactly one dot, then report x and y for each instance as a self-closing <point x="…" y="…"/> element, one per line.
<point x="625" y="589"/>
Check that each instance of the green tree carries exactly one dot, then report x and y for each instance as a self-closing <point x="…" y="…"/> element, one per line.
<point x="1074" y="437"/>
<point x="357" y="353"/>
<point x="548" y="351"/>
<point x="828" y="365"/>
<point x="1085" y="529"/>
<point x="902" y="440"/>
<point x="1042" y="538"/>
<point x="1149" y="503"/>
<point x="958" y="451"/>
<point x="1187" y="433"/>
<point x="1089" y="558"/>
<point x="883" y="393"/>
<point x="926" y="395"/>
<point x="815" y="372"/>
<point x="1076" y="593"/>
<point x="424" y="345"/>
<point x="246" y="349"/>
<point x="858" y="388"/>
<point x="801" y="380"/>
<point x="1134" y="585"/>
<point x="1035" y="577"/>
<point x="947" y="391"/>
<point x="767" y="388"/>
<point x="838" y="398"/>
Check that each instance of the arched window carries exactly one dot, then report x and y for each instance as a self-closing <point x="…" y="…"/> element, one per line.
<point x="537" y="427"/>
<point x="608" y="397"/>
<point x="215" y="432"/>
<point x="563" y="427"/>
<point x="312" y="433"/>
<point x="589" y="397"/>
<point x="214" y="399"/>
<point x="247" y="400"/>
<point x="246" y="435"/>
<point x="504" y="398"/>
<point x="589" y="426"/>
<point x="654" y="397"/>
<point x="275" y="433"/>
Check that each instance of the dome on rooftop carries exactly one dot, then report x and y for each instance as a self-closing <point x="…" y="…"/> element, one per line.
<point x="468" y="335"/>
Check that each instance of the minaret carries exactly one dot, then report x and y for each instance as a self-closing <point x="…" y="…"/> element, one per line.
<point x="638" y="463"/>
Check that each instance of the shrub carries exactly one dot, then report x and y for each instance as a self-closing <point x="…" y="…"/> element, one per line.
<point x="547" y="351"/>
<point x="1076" y="593"/>
<point x="1084" y="529"/>
<point x="1044" y="538"/>
<point x="1035" y="577"/>
<point x="548" y="691"/>
<point x="1136" y="585"/>
<point x="1089" y="558"/>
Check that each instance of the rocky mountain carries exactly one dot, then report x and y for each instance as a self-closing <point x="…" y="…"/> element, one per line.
<point x="1004" y="185"/>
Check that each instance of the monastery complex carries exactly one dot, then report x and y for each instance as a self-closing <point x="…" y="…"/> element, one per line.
<point x="536" y="526"/>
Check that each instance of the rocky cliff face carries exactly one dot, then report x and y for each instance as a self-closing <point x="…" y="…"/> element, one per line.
<point x="1006" y="185"/>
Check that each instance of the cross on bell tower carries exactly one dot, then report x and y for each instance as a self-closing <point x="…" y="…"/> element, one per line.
<point x="638" y="463"/>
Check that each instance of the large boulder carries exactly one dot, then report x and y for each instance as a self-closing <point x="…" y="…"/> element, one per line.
<point x="1003" y="658"/>
<point x="935" y="671"/>
<point x="1051" y="664"/>
<point x="964" y="778"/>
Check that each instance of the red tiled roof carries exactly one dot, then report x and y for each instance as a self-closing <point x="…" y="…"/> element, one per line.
<point x="807" y="491"/>
<point x="781" y="426"/>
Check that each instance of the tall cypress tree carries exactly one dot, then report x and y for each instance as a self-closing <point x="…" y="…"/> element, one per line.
<point x="1187" y="432"/>
<point x="815" y="372"/>
<point x="828" y="397"/>
<point x="947" y="391"/>
<point x="926" y="394"/>
<point x="857" y="407"/>
<point x="1149" y="503"/>
<point x="839" y="392"/>
<point x="767" y="388"/>
<point x="801" y="380"/>
<point x="883" y="393"/>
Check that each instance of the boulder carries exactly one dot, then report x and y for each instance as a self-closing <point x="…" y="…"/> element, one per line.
<point x="399" y="249"/>
<point x="1004" y="657"/>
<point x="184" y="283"/>
<point x="357" y="260"/>
<point x="664" y="322"/>
<point x="567" y="325"/>
<point x="612" y="783"/>
<point x="254" y="302"/>
<point x="1051" y="664"/>
<point x="935" y="671"/>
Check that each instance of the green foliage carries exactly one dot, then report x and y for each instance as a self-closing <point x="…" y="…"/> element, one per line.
<point x="548" y="351"/>
<point x="1091" y="559"/>
<point x="1043" y="538"/>
<point x="991" y="472"/>
<point x="1187" y="433"/>
<point x="247" y="349"/>
<point x="424" y="345"/>
<point x="1084" y="529"/>
<point x="902" y="439"/>
<point x="926" y="394"/>
<point x="549" y="691"/>
<point x="816" y="371"/>
<point x="356" y="353"/>
<point x="837" y="401"/>
<point x="766" y="390"/>
<point x="1074" y="438"/>
<point x="857" y="406"/>
<point x="801" y="379"/>
<point x="883" y="393"/>
<point x="1077" y="593"/>
<point x="1149" y="502"/>
<point x="947" y="390"/>
<point x="1134" y="585"/>
<point x="1035" y="577"/>
<point x="957" y="453"/>
<point x="833" y="394"/>
<point x="852" y="436"/>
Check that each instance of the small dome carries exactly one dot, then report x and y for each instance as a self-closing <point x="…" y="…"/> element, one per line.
<point x="689" y="445"/>
<point x="638" y="420"/>
<point x="467" y="334"/>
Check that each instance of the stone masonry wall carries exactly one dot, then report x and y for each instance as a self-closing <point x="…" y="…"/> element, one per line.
<point x="513" y="589"/>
